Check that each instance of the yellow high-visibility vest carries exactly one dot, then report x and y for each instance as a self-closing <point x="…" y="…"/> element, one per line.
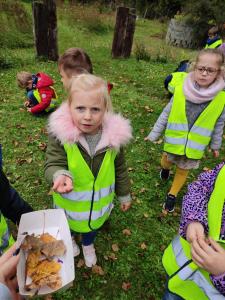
<point x="90" y="203"/>
<point x="181" y="140"/>
<point x="186" y="279"/>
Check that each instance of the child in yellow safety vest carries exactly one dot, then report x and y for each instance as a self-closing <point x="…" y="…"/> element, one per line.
<point x="85" y="159"/>
<point x="193" y="119"/>
<point x="41" y="96"/>
<point x="214" y="40"/>
<point x="195" y="260"/>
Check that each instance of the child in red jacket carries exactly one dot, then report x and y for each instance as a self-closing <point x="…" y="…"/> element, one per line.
<point x="41" y="96"/>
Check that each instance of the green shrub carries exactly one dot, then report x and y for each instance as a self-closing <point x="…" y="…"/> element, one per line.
<point x="141" y="52"/>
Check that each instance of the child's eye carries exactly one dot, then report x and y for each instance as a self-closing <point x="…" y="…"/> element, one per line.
<point x="80" y="108"/>
<point x="95" y="109"/>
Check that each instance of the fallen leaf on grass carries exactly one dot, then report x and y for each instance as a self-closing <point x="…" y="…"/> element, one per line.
<point x="206" y="169"/>
<point x="98" y="270"/>
<point x="29" y="160"/>
<point x="80" y="263"/>
<point x="143" y="246"/>
<point x="148" y="109"/>
<point x="42" y="146"/>
<point x="126" y="232"/>
<point x="115" y="247"/>
<point x="142" y="190"/>
<point x="112" y="256"/>
<point x="130" y="169"/>
<point x="126" y="286"/>
<point x="146" y="215"/>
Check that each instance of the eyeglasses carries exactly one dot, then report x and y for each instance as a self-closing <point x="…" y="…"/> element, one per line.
<point x="209" y="71"/>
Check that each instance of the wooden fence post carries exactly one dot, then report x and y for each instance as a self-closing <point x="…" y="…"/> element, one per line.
<point x="128" y="39"/>
<point x="45" y="28"/>
<point x="123" y="32"/>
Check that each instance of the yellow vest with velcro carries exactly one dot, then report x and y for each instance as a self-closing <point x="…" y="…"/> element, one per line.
<point x="186" y="279"/>
<point x="6" y="240"/>
<point x="214" y="45"/>
<point x="54" y="101"/>
<point x="177" y="79"/>
<point x="90" y="203"/>
<point x="181" y="140"/>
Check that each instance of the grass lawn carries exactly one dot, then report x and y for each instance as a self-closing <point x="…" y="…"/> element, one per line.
<point x="133" y="270"/>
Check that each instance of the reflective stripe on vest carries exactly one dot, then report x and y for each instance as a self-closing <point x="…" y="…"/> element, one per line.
<point x="186" y="278"/>
<point x="192" y="143"/>
<point x="6" y="240"/>
<point x="176" y="80"/>
<point x="214" y="45"/>
<point x="53" y="103"/>
<point x="90" y="203"/>
<point x="87" y="196"/>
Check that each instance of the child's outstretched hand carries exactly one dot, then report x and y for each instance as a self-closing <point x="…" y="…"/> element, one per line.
<point x="62" y="184"/>
<point x="209" y="255"/>
<point x="195" y="231"/>
<point x="125" y="206"/>
<point x="29" y="109"/>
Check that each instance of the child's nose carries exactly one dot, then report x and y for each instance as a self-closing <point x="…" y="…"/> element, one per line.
<point x="87" y="114"/>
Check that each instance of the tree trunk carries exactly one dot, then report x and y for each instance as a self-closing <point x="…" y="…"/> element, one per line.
<point x="128" y="40"/>
<point x="123" y="32"/>
<point x="45" y="28"/>
<point x="52" y="30"/>
<point x="119" y="31"/>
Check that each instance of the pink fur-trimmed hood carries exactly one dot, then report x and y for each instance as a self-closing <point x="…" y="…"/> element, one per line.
<point x="116" y="130"/>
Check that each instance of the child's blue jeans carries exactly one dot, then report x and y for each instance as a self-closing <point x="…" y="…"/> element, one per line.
<point x="87" y="238"/>
<point x="170" y="296"/>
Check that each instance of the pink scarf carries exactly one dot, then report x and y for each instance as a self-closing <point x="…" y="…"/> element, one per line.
<point x="196" y="94"/>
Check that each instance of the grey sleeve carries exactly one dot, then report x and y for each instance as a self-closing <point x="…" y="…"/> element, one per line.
<point x="161" y="123"/>
<point x="5" y="292"/>
<point x="217" y="135"/>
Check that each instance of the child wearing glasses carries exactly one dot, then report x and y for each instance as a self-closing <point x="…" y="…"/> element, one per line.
<point x="193" y="119"/>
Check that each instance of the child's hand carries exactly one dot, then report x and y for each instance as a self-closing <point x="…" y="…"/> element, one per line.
<point x="125" y="206"/>
<point x="26" y="103"/>
<point x="210" y="257"/>
<point x="29" y="109"/>
<point x="195" y="231"/>
<point x="62" y="184"/>
<point x="146" y="139"/>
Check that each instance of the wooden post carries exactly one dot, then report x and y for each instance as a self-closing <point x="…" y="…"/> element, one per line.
<point x="123" y="32"/>
<point x="40" y="28"/>
<point x="52" y="31"/>
<point x="119" y="31"/>
<point x="128" y="40"/>
<point x="45" y="28"/>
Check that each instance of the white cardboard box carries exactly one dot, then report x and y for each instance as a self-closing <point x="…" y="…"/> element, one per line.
<point x="55" y="223"/>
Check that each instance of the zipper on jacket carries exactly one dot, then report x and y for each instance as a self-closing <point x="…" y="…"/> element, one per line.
<point x="93" y="193"/>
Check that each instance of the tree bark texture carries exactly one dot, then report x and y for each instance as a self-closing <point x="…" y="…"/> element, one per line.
<point x="123" y="32"/>
<point x="45" y="28"/>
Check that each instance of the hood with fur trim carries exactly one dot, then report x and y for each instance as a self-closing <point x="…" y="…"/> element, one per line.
<point x="116" y="130"/>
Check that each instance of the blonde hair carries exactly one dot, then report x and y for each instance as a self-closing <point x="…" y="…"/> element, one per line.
<point x="89" y="82"/>
<point x="23" y="79"/>
<point x="217" y="52"/>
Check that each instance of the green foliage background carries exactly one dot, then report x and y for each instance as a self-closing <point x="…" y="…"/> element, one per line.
<point x="138" y="94"/>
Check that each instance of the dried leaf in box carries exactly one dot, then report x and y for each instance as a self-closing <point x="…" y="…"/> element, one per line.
<point x="47" y="238"/>
<point x="44" y="269"/>
<point x="32" y="262"/>
<point x="31" y="242"/>
<point x="56" y="248"/>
